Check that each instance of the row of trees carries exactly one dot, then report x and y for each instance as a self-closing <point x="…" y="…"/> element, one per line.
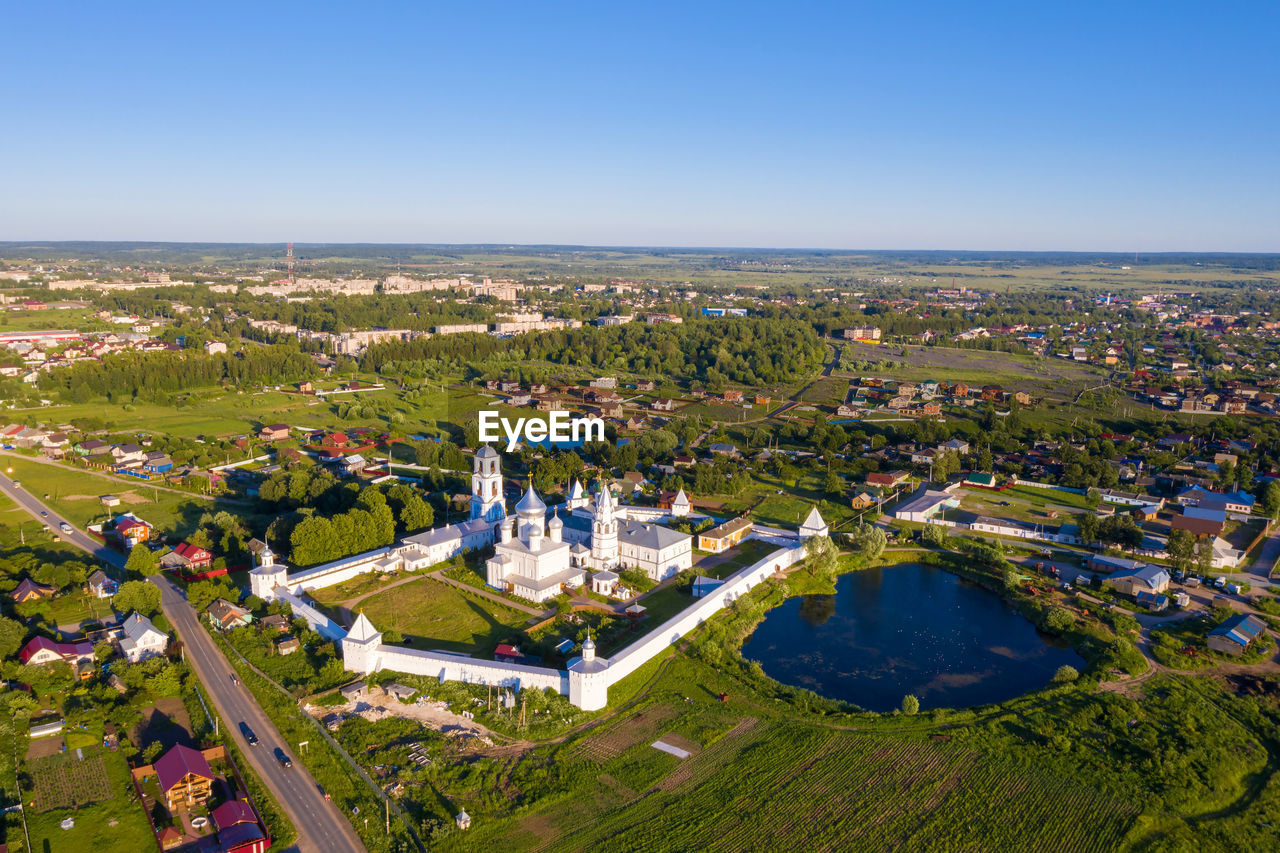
<point x="369" y="524"/>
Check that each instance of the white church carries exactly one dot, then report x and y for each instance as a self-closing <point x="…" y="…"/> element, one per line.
<point x="536" y="559"/>
<point x="537" y="555"/>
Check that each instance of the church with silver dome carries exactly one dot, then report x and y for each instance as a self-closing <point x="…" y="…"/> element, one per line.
<point x="537" y="557"/>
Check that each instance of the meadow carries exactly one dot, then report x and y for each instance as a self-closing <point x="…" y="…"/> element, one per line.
<point x="435" y="615"/>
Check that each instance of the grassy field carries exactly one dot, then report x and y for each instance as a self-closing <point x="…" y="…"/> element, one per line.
<point x="73" y="494"/>
<point x="756" y="780"/>
<point x="438" y="616"/>
<point x="1025" y="503"/>
<point x="1014" y="372"/>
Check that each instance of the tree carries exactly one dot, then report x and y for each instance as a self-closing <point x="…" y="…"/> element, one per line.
<point x="142" y="561"/>
<point x="867" y="540"/>
<point x="314" y="541"/>
<point x="1058" y="619"/>
<point x="1181" y="548"/>
<point x="140" y="596"/>
<point x="934" y="535"/>
<point x="1271" y="498"/>
<point x="910" y="705"/>
<point x="1088" y="525"/>
<point x="1066" y="674"/>
<point x="152" y="751"/>
<point x="822" y="556"/>
<point x="12" y="633"/>
<point x="103" y="651"/>
<point x="54" y="575"/>
<point x="416" y="514"/>
<point x="203" y="593"/>
<point x="1204" y="556"/>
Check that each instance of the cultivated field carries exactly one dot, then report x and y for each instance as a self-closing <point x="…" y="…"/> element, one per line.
<point x="785" y="786"/>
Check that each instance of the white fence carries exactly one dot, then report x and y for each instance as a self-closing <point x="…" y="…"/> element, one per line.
<point x="448" y="667"/>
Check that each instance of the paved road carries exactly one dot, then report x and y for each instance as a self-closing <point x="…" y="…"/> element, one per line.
<point x="321" y="827"/>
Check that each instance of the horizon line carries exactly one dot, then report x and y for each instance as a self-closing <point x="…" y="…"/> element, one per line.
<point x="9" y="244"/>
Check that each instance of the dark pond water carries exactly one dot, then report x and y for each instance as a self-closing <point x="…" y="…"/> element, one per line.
<point x="906" y="629"/>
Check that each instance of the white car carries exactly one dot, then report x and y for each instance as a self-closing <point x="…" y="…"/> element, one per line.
<point x="64" y="527"/>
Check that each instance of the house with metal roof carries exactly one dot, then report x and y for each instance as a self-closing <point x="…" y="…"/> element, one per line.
<point x="142" y="639"/>
<point x="925" y="504"/>
<point x="1140" y="579"/>
<point x="1200" y="521"/>
<point x="185" y="777"/>
<point x="1235" y="634"/>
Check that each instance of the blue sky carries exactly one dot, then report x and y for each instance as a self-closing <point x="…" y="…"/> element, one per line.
<point x="1090" y="126"/>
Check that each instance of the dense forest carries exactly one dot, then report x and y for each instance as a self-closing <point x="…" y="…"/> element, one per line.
<point x="749" y="351"/>
<point x="153" y="376"/>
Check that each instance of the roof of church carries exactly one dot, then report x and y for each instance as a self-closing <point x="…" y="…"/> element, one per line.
<point x="653" y="536"/>
<point x="486" y="452"/>
<point x="531" y="503"/>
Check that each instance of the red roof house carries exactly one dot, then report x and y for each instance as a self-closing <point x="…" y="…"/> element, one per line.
<point x="507" y="653"/>
<point x="184" y="777"/>
<point x="233" y="812"/>
<point x="42" y="650"/>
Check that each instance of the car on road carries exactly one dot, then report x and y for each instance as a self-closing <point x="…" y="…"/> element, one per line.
<point x="248" y="735"/>
<point x="44" y="514"/>
<point x="284" y="760"/>
<point x="64" y="527"/>
<point x="17" y="485"/>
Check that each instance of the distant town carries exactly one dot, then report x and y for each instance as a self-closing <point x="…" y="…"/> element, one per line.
<point x="265" y="581"/>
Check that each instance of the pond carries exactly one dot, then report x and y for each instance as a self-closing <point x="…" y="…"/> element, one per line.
<point x="905" y="629"/>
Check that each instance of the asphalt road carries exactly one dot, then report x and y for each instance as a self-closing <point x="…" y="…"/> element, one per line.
<point x="321" y="827"/>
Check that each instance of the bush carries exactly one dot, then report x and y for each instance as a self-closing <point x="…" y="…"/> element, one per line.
<point x="1065" y="674"/>
<point x="910" y="705"/>
<point x="1058" y="620"/>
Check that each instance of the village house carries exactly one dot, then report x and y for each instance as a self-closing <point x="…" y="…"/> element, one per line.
<point x="184" y="777"/>
<point x="224" y="615"/>
<point x="1235" y="634"/>
<point x="1138" y="579"/>
<point x="142" y="639"/>
<point x="28" y="590"/>
<point x="131" y="530"/>
<point x="187" y="557"/>
<point x="41" y="651"/>
<point x="274" y="432"/>
<point x="101" y="585"/>
<point x="724" y="536"/>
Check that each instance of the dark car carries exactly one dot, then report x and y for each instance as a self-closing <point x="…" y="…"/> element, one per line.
<point x="248" y="735"/>
<point x="284" y="760"/>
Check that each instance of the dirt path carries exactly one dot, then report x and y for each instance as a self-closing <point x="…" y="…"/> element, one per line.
<point x="532" y="611"/>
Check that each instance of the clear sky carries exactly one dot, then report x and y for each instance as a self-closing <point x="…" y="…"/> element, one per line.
<point x="1124" y="126"/>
